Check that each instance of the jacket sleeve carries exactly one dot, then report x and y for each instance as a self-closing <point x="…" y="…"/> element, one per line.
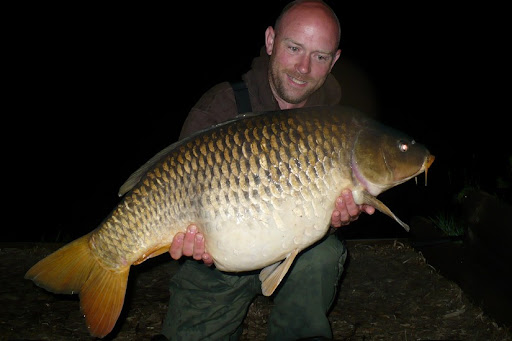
<point x="215" y="106"/>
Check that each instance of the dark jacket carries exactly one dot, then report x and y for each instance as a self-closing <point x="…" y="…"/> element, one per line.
<point x="218" y="104"/>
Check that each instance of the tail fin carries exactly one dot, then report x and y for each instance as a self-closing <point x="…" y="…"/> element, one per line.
<point x="74" y="269"/>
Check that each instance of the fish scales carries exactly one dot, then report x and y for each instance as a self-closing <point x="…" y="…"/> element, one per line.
<point x="261" y="188"/>
<point x="295" y="142"/>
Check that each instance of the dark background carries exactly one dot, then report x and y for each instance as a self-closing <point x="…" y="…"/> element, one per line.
<point x="95" y="91"/>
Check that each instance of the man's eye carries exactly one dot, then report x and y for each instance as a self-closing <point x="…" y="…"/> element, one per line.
<point x="294" y="48"/>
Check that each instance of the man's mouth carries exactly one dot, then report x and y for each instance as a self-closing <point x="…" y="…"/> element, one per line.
<point x="296" y="81"/>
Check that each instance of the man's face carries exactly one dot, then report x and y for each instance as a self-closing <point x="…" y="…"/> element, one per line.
<point x="302" y="54"/>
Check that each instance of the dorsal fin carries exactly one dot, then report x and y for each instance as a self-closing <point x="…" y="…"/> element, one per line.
<point x="137" y="175"/>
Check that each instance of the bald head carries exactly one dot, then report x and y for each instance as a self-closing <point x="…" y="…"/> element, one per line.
<point x="313" y="12"/>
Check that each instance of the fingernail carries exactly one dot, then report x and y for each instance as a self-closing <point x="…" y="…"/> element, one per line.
<point x="199" y="237"/>
<point x="192" y="229"/>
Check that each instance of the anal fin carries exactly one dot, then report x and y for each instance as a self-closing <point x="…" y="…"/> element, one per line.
<point x="273" y="274"/>
<point x="156" y="251"/>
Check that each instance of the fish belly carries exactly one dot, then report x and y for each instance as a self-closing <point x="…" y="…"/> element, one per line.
<point x="253" y="241"/>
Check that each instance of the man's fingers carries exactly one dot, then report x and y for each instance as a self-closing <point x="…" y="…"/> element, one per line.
<point x="341" y="213"/>
<point x="353" y="209"/>
<point x="369" y="209"/>
<point x="207" y="259"/>
<point x="177" y="246"/>
<point x="198" y="247"/>
<point x="189" y="240"/>
<point x="188" y="244"/>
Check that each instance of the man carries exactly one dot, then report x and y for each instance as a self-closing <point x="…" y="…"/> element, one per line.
<point x="292" y="72"/>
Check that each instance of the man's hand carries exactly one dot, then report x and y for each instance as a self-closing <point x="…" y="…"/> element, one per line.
<point x="347" y="210"/>
<point x="190" y="244"/>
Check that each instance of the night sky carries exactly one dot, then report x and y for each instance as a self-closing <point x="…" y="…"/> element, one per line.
<point x="100" y="90"/>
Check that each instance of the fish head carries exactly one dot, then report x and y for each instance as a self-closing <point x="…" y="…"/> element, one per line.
<point x="384" y="157"/>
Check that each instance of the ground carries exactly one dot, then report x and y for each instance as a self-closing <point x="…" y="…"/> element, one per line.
<point x="389" y="291"/>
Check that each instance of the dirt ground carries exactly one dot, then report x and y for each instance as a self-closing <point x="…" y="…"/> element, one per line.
<point x="388" y="292"/>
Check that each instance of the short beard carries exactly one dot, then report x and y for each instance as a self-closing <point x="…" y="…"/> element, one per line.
<point x="280" y="89"/>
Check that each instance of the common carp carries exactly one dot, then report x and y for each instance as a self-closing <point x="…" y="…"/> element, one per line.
<point x="260" y="187"/>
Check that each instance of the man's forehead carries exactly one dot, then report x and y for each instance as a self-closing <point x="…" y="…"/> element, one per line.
<point x="310" y="28"/>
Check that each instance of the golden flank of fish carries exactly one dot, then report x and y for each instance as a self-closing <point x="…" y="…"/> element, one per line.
<point x="261" y="188"/>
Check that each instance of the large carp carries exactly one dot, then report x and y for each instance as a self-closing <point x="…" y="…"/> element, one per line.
<point x="261" y="188"/>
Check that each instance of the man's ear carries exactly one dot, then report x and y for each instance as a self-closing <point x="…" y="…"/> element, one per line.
<point x="269" y="39"/>
<point x="335" y="59"/>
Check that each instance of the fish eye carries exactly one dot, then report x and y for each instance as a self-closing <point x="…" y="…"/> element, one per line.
<point x="403" y="146"/>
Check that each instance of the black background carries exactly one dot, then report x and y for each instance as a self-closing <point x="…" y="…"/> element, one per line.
<point x="96" y="90"/>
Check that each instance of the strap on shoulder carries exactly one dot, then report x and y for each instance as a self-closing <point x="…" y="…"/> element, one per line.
<point x="243" y="101"/>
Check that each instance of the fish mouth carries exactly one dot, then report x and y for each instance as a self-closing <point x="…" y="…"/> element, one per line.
<point x="375" y="189"/>
<point x="429" y="159"/>
<point x="426" y="164"/>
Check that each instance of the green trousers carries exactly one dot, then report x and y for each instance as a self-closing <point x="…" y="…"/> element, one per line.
<point x="207" y="304"/>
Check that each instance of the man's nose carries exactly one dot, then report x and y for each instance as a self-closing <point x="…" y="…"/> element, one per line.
<point x="303" y="65"/>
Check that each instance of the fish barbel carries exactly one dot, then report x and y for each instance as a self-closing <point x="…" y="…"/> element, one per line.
<point x="261" y="188"/>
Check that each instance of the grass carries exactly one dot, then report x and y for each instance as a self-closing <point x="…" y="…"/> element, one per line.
<point x="448" y="224"/>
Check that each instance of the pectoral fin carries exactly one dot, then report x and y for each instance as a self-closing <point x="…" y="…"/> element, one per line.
<point x="272" y="275"/>
<point x="364" y="197"/>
